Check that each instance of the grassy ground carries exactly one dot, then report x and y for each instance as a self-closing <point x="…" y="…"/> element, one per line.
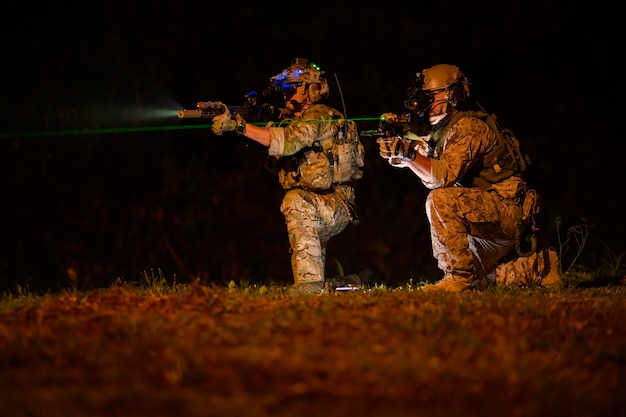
<point x="218" y="351"/>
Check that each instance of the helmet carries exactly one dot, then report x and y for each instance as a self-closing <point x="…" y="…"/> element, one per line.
<point x="301" y="72"/>
<point x="434" y="79"/>
<point x="443" y="76"/>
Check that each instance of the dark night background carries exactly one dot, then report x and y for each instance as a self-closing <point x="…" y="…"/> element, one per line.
<point x="83" y="209"/>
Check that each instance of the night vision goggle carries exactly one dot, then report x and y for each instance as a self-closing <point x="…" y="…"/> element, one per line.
<point x="419" y="101"/>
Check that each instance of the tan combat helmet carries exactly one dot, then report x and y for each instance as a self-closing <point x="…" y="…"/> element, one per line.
<point x="301" y="72"/>
<point x="434" y="79"/>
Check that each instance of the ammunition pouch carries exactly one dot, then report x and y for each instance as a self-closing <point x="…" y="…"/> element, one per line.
<point x="488" y="176"/>
<point x="310" y="169"/>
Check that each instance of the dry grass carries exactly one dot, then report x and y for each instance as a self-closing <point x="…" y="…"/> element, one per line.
<point x="214" y="351"/>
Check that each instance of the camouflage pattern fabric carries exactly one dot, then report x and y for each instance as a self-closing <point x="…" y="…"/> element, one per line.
<point x="312" y="219"/>
<point x="541" y="268"/>
<point x="472" y="229"/>
<point x="315" y="125"/>
<point x="465" y="145"/>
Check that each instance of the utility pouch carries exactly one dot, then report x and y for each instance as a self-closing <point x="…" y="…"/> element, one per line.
<point x="315" y="171"/>
<point x="489" y="176"/>
<point x="531" y="206"/>
<point x="309" y="169"/>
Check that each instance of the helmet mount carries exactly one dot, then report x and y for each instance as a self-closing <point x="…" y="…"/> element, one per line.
<point x="300" y="73"/>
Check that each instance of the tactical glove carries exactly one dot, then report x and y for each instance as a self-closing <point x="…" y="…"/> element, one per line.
<point x="224" y="123"/>
<point x="389" y="118"/>
<point x="396" y="150"/>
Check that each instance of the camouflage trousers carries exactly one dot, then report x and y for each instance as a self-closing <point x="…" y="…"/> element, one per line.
<point x="471" y="229"/>
<point x="539" y="268"/>
<point x="312" y="219"/>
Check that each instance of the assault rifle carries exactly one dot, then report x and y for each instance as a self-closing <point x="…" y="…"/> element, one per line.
<point x="250" y="111"/>
<point x="391" y="125"/>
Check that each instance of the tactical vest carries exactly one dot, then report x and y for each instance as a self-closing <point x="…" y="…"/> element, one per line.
<point x="501" y="163"/>
<point x="335" y="159"/>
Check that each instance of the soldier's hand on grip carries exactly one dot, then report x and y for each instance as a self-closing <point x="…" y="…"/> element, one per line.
<point x="396" y="150"/>
<point x="223" y="123"/>
<point x="389" y="118"/>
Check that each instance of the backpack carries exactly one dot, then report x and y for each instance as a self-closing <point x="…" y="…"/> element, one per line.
<point x="507" y="159"/>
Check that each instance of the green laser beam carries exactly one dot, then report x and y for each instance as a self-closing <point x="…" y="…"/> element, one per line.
<point x="102" y="131"/>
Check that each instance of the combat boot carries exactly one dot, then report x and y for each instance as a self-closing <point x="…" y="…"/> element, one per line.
<point x="539" y="268"/>
<point x="450" y="283"/>
<point x="551" y="273"/>
<point x="307" y="288"/>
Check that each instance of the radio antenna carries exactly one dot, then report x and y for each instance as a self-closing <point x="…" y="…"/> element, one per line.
<point x="343" y="103"/>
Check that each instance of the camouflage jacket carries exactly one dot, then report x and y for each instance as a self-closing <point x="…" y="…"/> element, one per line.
<point x="460" y="155"/>
<point x="308" y="149"/>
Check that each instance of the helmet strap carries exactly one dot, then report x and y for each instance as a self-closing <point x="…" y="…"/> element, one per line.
<point x="439" y="124"/>
<point x="434" y="120"/>
<point x="297" y="106"/>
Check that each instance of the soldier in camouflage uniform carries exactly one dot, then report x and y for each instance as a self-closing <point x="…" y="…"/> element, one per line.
<point x="477" y="189"/>
<point x="316" y="206"/>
